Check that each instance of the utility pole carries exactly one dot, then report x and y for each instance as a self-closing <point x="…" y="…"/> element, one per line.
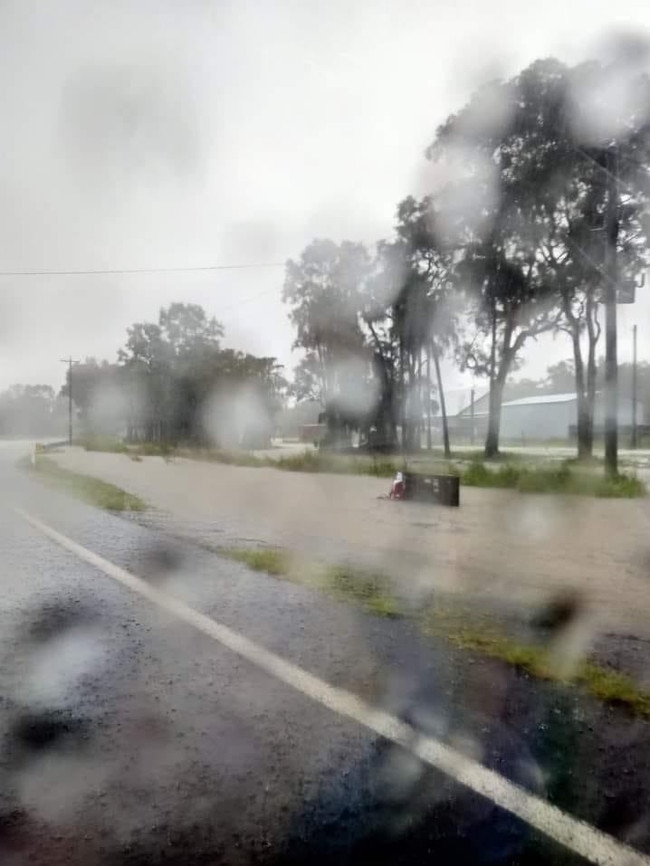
<point x="69" y="362"/>
<point x="611" y="286"/>
<point x="634" y="391"/>
<point x="471" y="410"/>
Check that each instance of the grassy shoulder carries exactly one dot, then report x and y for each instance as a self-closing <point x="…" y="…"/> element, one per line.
<point x="91" y="490"/>
<point x="372" y="592"/>
<point x="609" y="686"/>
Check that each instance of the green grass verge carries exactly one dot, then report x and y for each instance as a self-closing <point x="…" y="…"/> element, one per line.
<point x="606" y="685"/>
<point x="478" y="455"/>
<point x="322" y="461"/>
<point x="371" y="591"/>
<point x="614" y="688"/>
<point x="84" y="487"/>
<point x="306" y="461"/>
<point x="111" y="445"/>
<point x="271" y="560"/>
<point x="561" y="478"/>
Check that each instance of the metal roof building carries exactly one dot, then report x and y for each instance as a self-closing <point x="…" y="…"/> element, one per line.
<point x="549" y="416"/>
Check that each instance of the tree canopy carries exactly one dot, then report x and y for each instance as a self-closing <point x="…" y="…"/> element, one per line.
<point x="510" y="244"/>
<point x="175" y="383"/>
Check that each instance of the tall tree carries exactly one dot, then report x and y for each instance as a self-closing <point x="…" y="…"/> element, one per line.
<point x="188" y="331"/>
<point x="379" y="317"/>
<point x="494" y="208"/>
<point x="324" y="290"/>
<point x="429" y="293"/>
<point x="396" y="318"/>
<point x="574" y="248"/>
<point x="307" y="379"/>
<point x="90" y="379"/>
<point x="559" y="378"/>
<point x="173" y="369"/>
<point x="508" y="309"/>
<point x="146" y="363"/>
<point x="242" y="393"/>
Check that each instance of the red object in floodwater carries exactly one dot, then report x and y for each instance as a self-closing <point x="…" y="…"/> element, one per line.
<point x="397" y="487"/>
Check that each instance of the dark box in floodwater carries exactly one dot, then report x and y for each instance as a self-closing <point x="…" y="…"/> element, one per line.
<point x="441" y="489"/>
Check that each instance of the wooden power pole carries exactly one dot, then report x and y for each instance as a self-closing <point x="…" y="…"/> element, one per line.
<point x="70" y="364"/>
<point x="611" y="286"/>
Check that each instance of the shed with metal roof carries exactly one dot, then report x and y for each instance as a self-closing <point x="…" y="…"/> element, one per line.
<point x="551" y="416"/>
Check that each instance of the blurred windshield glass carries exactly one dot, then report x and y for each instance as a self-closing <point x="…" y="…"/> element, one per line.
<point x="324" y="433"/>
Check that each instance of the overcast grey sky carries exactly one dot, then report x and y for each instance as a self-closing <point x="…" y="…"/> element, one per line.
<point x="173" y="133"/>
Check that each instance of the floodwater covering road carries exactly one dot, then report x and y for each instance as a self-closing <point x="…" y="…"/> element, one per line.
<point x="499" y="547"/>
<point x="130" y="735"/>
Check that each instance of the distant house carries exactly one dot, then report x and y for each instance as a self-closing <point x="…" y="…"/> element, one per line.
<point x="546" y="416"/>
<point x="290" y="421"/>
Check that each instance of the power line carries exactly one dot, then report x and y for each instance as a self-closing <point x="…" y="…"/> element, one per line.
<point x="108" y="271"/>
<point x="247" y="300"/>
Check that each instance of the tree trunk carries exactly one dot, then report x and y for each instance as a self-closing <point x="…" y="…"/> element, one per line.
<point x="494" y="416"/>
<point x="403" y="409"/>
<point x="593" y="333"/>
<point x="494" y="404"/>
<point x="583" y="426"/>
<point x="428" y="353"/>
<point x="415" y="414"/>
<point x="409" y="396"/>
<point x="585" y="380"/>
<point x="421" y="408"/>
<point x="387" y="416"/>
<point x="392" y="418"/>
<point x="443" y="405"/>
<point x="585" y="439"/>
<point x="497" y="382"/>
<point x="591" y="405"/>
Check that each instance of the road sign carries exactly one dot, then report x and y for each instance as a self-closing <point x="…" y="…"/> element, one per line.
<point x="626" y="292"/>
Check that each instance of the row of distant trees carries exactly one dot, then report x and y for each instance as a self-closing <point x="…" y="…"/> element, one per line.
<point x="32" y="410"/>
<point x="37" y="410"/>
<point x="560" y="379"/>
<point x="511" y="245"/>
<point x="174" y="382"/>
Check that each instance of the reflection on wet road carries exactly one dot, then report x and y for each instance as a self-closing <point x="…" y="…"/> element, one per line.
<point x="128" y="736"/>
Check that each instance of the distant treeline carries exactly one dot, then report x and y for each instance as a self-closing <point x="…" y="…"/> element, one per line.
<point x="174" y="382"/>
<point x="32" y="411"/>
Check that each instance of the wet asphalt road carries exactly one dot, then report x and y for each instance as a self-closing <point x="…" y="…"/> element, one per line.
<point x="127" y="737"/>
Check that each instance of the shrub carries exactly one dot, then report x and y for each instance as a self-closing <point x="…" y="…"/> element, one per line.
<point x="553" y="479"/>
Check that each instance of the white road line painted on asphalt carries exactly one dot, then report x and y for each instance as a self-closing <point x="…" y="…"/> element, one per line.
<point x="576" y="835"/>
